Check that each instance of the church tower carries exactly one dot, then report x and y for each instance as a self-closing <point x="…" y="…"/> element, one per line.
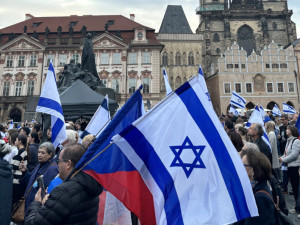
<point x="253" y="24"/>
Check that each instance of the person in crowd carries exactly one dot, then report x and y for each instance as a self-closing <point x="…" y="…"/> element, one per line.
<point x="282" y="137"/>
<point x="75" y="201"/>
<point x="24" y="131"/>
<point x="258" y="168"/>
<point x="2" y="131"/>
<point x="270" y="126"/>
<point x="250" y="145"/>
<point x="36" y="128"/>
<point x="236" y="140"/>
<point x="6" y="185"/>
<point x="292" y="159"/>
<point x="239" y="121"/>
<point x="243" y="133"/>
<point x="295" y="117"/>
<point x="228" y="126"/>
<point x="33" y="141"/>
<point x="22" y="156"/>
<point x="12" y="136"/>
<point x="47" y="167"/>
<point x="256" y="132"/>
<point x="88" y="140"/>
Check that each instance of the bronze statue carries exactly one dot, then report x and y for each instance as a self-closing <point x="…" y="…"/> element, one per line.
<point x="88" y="56"/>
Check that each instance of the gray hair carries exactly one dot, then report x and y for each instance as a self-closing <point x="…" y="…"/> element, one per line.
<point x="71" y="136"/>
<point x="49" y="147"/>
<point x="252" y="146"/>
<point x="259" y="129"/>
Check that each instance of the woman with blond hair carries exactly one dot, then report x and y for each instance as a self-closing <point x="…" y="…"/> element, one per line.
<point x="270" y="127"/>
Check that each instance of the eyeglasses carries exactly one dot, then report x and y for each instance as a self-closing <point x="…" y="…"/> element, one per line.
<point x="247" y="165"/>
<point x="62" y="160"/>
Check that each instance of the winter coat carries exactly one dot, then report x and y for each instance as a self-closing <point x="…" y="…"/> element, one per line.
<point x="33" y="157"/>
<point x="291" y="156"/>
<point x="264" y="148"/>
<point x="75" y="201"/>
<point x="6" y="187"/>
<point x="273" y="143"/>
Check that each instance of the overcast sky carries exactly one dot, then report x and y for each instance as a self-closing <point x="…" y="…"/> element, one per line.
<point x="148" y="13"/>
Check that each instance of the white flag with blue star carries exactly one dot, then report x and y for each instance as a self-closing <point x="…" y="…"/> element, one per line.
<point x="276" y="111"/>
<point x="233" y="111"/>
<point x="288" y="109"/>
<point x="187" y="162"/>
<point x="237" y="100"/>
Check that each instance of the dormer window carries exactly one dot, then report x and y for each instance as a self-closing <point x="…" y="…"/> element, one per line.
<point x="140" y="35"/>
<point x="36" y="24"/>
<point x="73" y="23"/>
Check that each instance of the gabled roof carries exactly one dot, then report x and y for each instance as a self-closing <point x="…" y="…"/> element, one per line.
<point x="92" y="23"/>
<point x="175" y="21"/>
<point x="23" y="42"/>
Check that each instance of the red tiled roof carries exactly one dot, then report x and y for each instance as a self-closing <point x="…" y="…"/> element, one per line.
<point x="92" y="23"/>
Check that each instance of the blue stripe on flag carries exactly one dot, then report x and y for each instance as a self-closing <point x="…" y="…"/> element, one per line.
<point x="51" y="68"/>
<point x="227" y="168"/>
<point x="84" y="133"/>
<point x="104" y="104"/>
<point x="56" y="129"/>
<point x="158" y="171"/>
<point x="51" y="104"/>
<point x="237" y="104"/>
<point x="239" y="97"/>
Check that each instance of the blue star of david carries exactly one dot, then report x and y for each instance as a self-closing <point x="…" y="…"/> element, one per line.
<point x="208" y="96"/>
<point x="239" y="100"/>
<point x="187" y="146"/>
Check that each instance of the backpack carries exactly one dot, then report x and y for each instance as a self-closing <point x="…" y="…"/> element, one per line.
<point x="278" y="195"/>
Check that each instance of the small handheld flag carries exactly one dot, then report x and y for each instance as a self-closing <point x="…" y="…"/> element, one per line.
<point x="167" y="84"/>
<point x="237" y="100"/>
<point x="288" y="109"/>
<point x="233" y="110"/>
<point x="276" y="111"/>
<point x="203" y="83"/>
<point x="11" y="125"/>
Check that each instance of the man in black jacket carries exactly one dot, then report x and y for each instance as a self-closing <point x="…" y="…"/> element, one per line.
<point x="256" y="132"/>
<point x="75" y="201"/>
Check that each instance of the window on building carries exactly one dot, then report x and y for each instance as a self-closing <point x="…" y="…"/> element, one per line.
<point x="146" y="85"/>
<point x="283" y="65"/>
<point x="229" y="66"/>
<point x="9" y="61"/>
<point x="33" y="60"/>
<point x="280" y="88"/>
<point x="216" y="37"/>
<point x="267" y="65"/>
<point x="104" y="82"/>
<point x="76" y="58"/>
<point x="116" y="58"/>
<point x="62" y="59"/>
<point x="50" y="58"/>
<point x="177" y="59"/>
<point x="218" y="51"/>
<point x="146" y="58"/>
<point x="6" y="86"/>
<point x="275" y="65"/>
<point x="227" y="88"/>
<point x="104" y="60"/>
<point x="238" y="87"/>
<point x="30" y="88"/>
<point x="291" y="87"/>
<point x="236" y="66"/>
<point x="132" y="58"/>
<point x="243" y="66"/>
<point x="116" y="85"/>
<point x="131" y="85"/>
<point x="18" y="88"/>
<point x="270" y="87"/>
<point x="165" y="59"/>
<point x="249" y="87"/>
<point x="274" y="25"/>
<point x="21" y="61"/>
<point x="191" y="58"/>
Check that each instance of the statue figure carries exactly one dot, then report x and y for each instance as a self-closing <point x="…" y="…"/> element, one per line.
<point x="71" y="31"/>
<point x="83" y="31"/>
<point x="59" y="29"/>
<point x="25" y="29"/>
<point x="88" y="57"/>
<point x="264" y="25"/>
<point x="47" y="31"/>
<point x="35" y="35"/>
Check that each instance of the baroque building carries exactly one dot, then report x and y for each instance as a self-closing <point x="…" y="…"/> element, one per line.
<point x="252" y="24"/>
<point x="127" y="54"/>
<point x="182" y="52"/>
<point x="267" y="78"/>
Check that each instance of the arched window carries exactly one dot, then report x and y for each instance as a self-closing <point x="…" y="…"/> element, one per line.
<point x="165" y="59"/>
<point x="163" y="87"/>
<point x="197" y="58"/>
<point x="274" y="25"/>
<point x="184" y="58"/>
<point x="172" y="82"/>
<point x="177" y="59"/>
<point x="218" y="51"/>
<point x="178" y="82"/>
<point x="171" y="59"/>
<point x="216" y="37"/>
<point x="246" y="39"/>
<point x="191" y="58"/>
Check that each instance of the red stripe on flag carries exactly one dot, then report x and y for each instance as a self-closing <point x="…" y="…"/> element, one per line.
<point x="129" y="188"/>
<point x="100" y="216"/>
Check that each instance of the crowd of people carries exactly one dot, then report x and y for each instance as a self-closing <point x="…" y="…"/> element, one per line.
<point x="26" y="156"/>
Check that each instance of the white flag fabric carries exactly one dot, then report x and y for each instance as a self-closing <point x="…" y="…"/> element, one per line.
<point x="262" y="111"/>
<point x="288" y="109"/>
<point x="11" y="125"/>
<point x="203" y="83"/>
<point x="276" y="111"/>
<point x="233" y="110"/>
<point x="99" y="121"/>
<point x="49" y="103"/>
<point x="167" y="83"/>
<point x="257" y="118"/>
<point x="191" y="168"/>
<point x="237" y="100"/>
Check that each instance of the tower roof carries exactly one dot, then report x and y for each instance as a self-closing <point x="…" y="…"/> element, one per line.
<point x="175" y="21"/>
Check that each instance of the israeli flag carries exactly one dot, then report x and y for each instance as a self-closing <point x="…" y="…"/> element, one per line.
<point x="288" y="109"/>
<point x="99" y="121"/>
<point x="203" y="83"/>
<point x="276" y="111"/>
<point x="167" y="84"/>
<point x="191" y="168"/>
<point x="11" y="125"/>
<point x="257" y="118"/>
<point x="49" y="103"/>
<point x="237" y="100"/>
<point x="262" y="112"/>
<point x="233" y="111"/>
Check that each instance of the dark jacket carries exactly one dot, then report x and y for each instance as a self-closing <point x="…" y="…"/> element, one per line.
<point x="75" y="201"/>
<point x="6" y="187"/>
<point x="283" y="138"/>
<point x="265" y="206"/>
<point x="264" y="148"/>
<point x="33" y="157"/>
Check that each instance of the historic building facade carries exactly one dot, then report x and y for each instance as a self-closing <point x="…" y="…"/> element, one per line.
<point x="267" y="78"/>
<point x="182" y="54"/>
<point x="127" y="54"/>
<point x="253" y="24"/>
